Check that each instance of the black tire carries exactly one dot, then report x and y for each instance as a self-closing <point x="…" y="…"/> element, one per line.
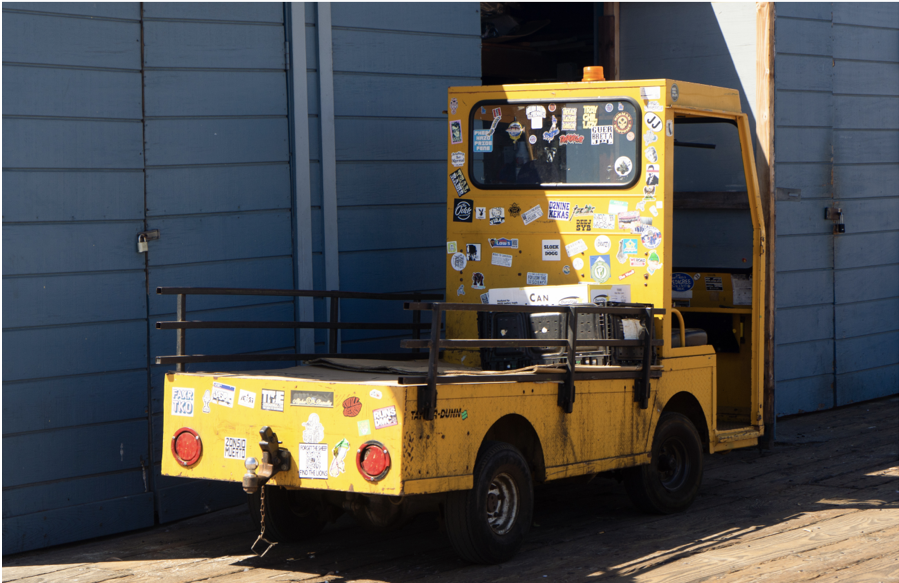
<point x="290" y="515"/>
<point x="488" y="523"/>
<point x="671" y="481"/>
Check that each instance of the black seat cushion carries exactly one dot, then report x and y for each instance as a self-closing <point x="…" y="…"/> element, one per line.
<point x="695" y="337"/>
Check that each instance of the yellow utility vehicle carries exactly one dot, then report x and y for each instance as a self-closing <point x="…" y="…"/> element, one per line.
<point x="574" y="344"/>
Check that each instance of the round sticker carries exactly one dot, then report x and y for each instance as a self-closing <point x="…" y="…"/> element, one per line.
<point x="630" y="138"/>
<point x="681" y="282"/>
<point x="602" y="244"/>
<point x="623" y="122"/>
<point x="696" y="277"/>
<point x="623" y="166"/>
<point x="566" y="270"/>
<point x="459" y="261"/>
<point x="532" y="139"/>
<point x="653" y="121"/>
<point x="674" y="92"/>
<point x="609" y="107"/>
<point x="651" y="237"/>
<point x="651" y="154"/>
<point x="552" y="107"/>
<point x="600" y="271"/>
<point x="514" y="130"/>
<point x="578" y="263"/>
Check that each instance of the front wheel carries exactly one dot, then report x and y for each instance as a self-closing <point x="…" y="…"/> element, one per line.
<point x="290" y="515"/>
<point x="488" y="523"/>
<point x="670" y="482"/>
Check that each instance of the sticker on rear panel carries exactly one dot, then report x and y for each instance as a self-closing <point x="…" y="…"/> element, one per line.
<point x="551" y="250"/>
<point x="650" y="93"/>
<point x="312" y="461"/>
<point x="375" y="394"/>
<point x="311" y="399"/>
<point x="600" y="268"/>
<point x="714" y="284"/>
<point x="351" y="406"/>
<point x="364" y="427"/>
<point x="272" y="400"/>
<point x="458" y="159"/>
<point x="223" y="394"/>
<point x="182" y="402"/>
<point x="559" y="210"/>
<point x="235" y="448"/>
<point x="207" y="398"/>
<point x="532" y="215"/>
<point x="313" y="431"/>
<point x="246" y="399"/>
<point x="576" y="247"/>
<point x="501" y="259"/>
<point x="385" y="417"/>
<point x="538" y="278"/>
<point x="338" y="466"/>
<point x="456" y="131"/>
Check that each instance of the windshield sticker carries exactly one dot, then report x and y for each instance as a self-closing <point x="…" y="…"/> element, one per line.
<point x="474" y="251"/>
<point x="589" y="116"/>
<point x="503" y="242"/>
<point x="630" y="136"/>
<point x="623" y="122"/>
<point x="456" y="131"/>
<point x="182" y="402"/>
<point x="601" y="135"/>
<point x="483" y="141"/>
<point x="569" y="119"/>
<point x="550" y="135"/>
<point x="576" y="247"/>
<point x="536" y="113"/>
<point x="551" y="250"/>
<point x="538" y="278"/>
<point x="532" y="139"/>
<point x="571" y="139"/>
<point x="246" y="399"/>
<point x="459" y="261"/>
<point x="458" y="158"/>
<point x="223" y="394"/>
<point x="272" y="400"/>
<point x="462" y="210"/>
<point x="235" y="448"/>
<point x="497" y="215"/>
<point x="604" y="221"/>
<point x="600" y="269"/>
<point x="311" y="399"/>
<point x="459" y="182"/>
<point x="385" y="417"/>
<point x="624" y="166"/>
<point x="501" y="260"/>
<point x="532" y="215"/>
<point x="559" y="210"/>
<point x="610" y="107"/>
<point x="653" y="121"/>
<point x="477" y="280"/>
<point x="602" y="244"/>
<point x="514" y="130"/>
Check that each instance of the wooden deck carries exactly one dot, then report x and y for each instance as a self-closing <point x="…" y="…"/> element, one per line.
<point x="823" y="505"/>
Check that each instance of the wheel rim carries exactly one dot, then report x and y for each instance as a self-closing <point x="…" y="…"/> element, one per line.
<point x="502" y="503"/>
<point x="673" y="464"/>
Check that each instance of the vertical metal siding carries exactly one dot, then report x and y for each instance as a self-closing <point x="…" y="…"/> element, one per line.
<point x="75" y="343"/>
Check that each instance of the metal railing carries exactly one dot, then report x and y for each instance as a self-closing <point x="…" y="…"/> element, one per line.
<point x="427" y="390"/>
<point x="182" y="324"/>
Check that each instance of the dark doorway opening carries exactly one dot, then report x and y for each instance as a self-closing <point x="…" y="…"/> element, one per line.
<point x="524" y="42"/>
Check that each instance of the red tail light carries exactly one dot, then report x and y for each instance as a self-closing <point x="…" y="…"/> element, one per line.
<point x="186" y="446"/>
<point x="373" y="461"/>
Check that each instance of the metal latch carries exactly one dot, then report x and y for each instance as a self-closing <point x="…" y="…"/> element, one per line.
<point x="144" y="237"/>
<point x="835" y="214"/>
<point x="274" y="460"/>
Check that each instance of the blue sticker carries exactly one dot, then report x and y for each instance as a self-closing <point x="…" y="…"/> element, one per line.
<point x="600" y="268"/>
<point x="681" y="282"/>
<point x="483" y="141"/>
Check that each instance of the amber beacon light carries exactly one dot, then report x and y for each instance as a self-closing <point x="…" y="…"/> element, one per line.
<point x="593" y="74"/>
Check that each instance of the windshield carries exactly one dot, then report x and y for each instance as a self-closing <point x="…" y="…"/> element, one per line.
<point x="563" y="144"/>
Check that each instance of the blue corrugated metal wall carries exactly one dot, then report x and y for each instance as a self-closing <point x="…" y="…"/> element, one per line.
<point x="837" y="138"/>
<point x="74" y="288"/>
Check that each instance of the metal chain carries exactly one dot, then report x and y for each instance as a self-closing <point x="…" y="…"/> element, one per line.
<point x="261" y="536"/>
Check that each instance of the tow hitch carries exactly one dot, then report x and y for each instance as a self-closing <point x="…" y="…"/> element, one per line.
<point x="274" y="460"/>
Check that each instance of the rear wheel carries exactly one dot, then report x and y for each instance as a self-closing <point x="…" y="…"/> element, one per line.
<point x="290" y="515"/>
<point x="488" y="523"/>
<point x="671" y="481"/>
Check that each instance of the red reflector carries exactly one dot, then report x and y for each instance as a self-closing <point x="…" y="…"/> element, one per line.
<point x="186" y="446"/>
<point x="372" y="461"/>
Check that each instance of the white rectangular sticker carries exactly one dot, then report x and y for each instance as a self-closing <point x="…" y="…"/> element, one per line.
<point x="223" y="394"/>
<point x="235" y="448"/>
<point x="385" y="417"/>
<point x="603" y="221"/>
<point x="552" y="250"/>
<point x="502" y="260"/>
<point x="247" y="399"/>
<point x="182" y="402"/>
<point x="601" y="135"/>
<point x="559" y="210"/>
<point x="617" y="206"/>
<point x="538" y="278"/>
<point x="312" y="461"/>
<point x="272" y="400"/>
<point x="531" y="215"/>
<point x="577" y="247"/>
<point x="650" y="93"/>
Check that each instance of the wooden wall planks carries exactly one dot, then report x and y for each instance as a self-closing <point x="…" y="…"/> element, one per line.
<point x="73" y="196"/>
